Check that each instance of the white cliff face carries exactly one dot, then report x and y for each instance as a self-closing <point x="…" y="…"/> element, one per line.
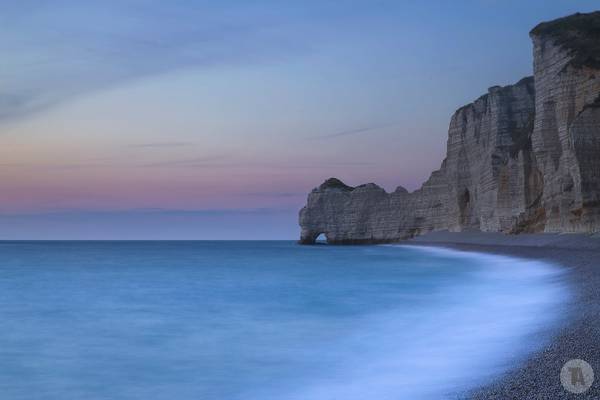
<point x="481" y="184"/>
<point x="566" y="137"/>
<point x="522" y="158"/>
<point x="486" y="167"/>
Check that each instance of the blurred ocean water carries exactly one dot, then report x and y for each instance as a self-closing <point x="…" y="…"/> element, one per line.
<point x="264" y="320"/>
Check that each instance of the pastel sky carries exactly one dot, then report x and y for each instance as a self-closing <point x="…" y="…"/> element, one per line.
<point x="135" y="119"/>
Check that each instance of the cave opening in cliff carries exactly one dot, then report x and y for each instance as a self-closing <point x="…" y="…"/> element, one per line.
<point x="463" y="205"/>
<point x="321" y="238"/>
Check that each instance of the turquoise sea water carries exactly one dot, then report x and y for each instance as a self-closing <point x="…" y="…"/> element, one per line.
<point x="263" y="320"/>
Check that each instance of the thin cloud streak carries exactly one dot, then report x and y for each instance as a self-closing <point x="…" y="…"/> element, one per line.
<point x="160" y="145"/>
<point x="351" y="132"/>
<point x="198" y="161"/>
<point x="57" y="51"/>
<point x="142" y="211"/>
<point x="275" y="194"/>
<point x="208" y="163"/>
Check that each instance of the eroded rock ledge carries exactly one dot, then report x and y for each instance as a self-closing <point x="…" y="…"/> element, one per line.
<point x="521" y="158"/>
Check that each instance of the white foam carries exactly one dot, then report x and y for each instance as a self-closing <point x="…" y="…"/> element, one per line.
<point x="485" y="326"/>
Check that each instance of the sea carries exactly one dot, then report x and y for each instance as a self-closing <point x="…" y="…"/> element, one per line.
<point x="265" y="320"/>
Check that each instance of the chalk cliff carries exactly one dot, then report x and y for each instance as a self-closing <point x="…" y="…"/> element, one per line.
<point x="521" y="158"/>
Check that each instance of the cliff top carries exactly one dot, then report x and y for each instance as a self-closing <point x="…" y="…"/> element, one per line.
<point x="579" y="33"/>
<point x="334" y="183"/>
<point x="528" y="82"/>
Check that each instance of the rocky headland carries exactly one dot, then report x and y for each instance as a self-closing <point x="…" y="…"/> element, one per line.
<point x="523" y="158"/>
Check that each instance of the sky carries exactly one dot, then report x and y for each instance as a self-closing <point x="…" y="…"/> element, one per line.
<point x="138" y="119"/>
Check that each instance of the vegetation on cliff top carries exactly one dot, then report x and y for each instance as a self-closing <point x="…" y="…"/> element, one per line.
<point x="579" y="33"/>
<point x="334" y="183"/>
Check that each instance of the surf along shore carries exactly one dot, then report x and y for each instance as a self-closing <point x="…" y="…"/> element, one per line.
<point x="578" y="337"/>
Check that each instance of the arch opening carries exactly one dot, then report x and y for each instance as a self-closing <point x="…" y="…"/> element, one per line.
<point x="320" y="238"/>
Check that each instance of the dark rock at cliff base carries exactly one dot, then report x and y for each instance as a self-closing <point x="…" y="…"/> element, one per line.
<point x="521" y="158"/>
